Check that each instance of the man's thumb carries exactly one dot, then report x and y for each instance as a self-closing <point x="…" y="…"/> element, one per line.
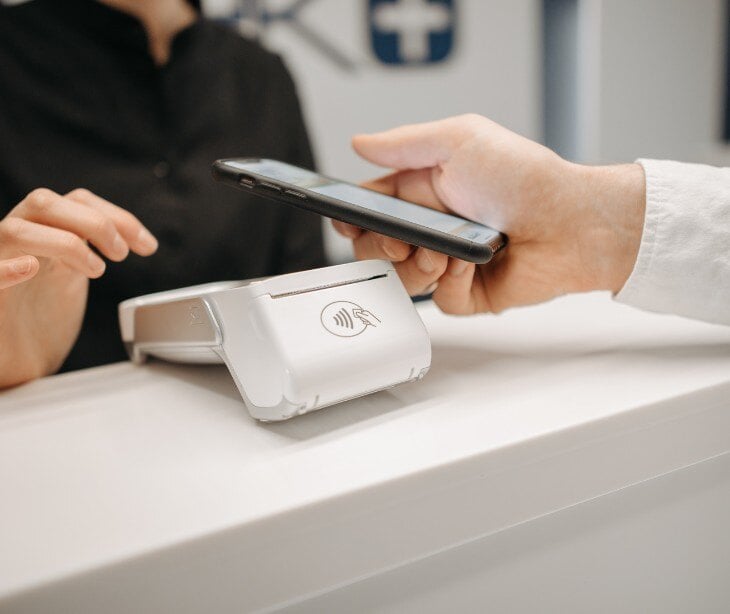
<point x="413" y="146"/>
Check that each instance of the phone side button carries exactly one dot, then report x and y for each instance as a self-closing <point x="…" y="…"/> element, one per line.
<point x="297" y="194"/>
<point x="269" y="186"/>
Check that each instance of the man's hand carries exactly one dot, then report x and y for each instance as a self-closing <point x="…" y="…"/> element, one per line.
<point x="45" y="265"/>
<point x="571" y="228"/>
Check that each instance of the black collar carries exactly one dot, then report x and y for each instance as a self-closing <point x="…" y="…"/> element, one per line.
<point x="107" y="24"/>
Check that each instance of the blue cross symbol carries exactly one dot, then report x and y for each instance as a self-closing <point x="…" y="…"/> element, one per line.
<point x="411" y="31"/>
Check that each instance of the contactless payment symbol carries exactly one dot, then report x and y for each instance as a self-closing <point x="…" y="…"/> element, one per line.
<point x="411" y="31"/>
<point x="347" y="319"/>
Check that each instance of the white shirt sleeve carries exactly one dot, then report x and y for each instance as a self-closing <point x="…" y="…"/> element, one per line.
<point x="683" y="266"/>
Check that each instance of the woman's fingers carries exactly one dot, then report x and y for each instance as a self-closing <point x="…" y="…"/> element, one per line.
<point x="17" y="270"/>
<point x="138" y="238"/>
<point x="40" y="240"/>
<point x="50" y="209"/>
<point x="49" y="225"/>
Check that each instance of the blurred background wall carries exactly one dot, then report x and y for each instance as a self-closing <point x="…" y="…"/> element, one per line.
<point x="630" y="78"/>
<point x="364" y="65"/>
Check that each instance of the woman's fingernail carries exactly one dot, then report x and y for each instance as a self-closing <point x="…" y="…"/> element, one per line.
<point x="119" y="246"/>
<point x="146" y="241"/>
<point x="22" y="266"/>
<point x="458" y="267"/>
<point x="424" y="261"/>
<point x="96" y="264"/>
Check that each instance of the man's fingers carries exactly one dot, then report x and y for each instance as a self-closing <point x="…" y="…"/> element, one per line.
<point x="347" y="230"/>
<point x="17" y="270"/>
<point x="421" y="270"/>
<point x="455" y="290"/>
<point x="415" y="145"/>
<point x="39" y="240"/>
<point x="371" y="245"/>
<point x="50" y="209"/>
<point x="138" y="238"/>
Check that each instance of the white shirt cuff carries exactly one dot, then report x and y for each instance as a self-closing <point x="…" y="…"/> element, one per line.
<point x="683" y="265"/>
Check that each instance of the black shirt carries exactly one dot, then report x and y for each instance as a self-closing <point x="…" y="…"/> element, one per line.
<point x="82" y="104"/>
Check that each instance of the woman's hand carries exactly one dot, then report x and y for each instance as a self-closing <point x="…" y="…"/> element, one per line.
<point x="571" y="228"/>
<point x="46" y="261"/>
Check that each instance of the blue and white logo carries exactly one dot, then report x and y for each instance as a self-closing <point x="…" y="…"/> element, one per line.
<point x="411" y="31"/>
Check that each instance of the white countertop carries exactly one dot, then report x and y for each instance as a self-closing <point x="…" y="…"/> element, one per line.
<point x="118" y="472"/>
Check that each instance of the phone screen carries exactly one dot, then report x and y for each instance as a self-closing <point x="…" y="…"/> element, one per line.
<point x="367" y="199"/>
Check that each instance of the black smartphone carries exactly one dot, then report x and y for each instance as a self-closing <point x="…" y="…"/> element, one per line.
<point x="409" y="222"/>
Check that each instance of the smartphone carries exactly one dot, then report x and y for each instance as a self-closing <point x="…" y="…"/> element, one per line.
<point x="361" y="207"/>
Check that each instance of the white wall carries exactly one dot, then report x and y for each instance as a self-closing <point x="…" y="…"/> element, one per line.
<point x="650" y="79"/>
